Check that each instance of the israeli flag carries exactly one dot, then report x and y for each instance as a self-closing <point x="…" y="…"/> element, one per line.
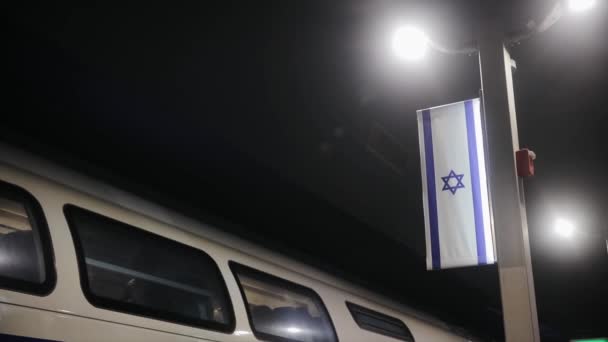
<point x="454" y="186"/>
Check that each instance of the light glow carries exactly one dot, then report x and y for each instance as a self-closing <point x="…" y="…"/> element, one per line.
<point x="294" y="330"/>
<point x="409" y="43"/>
<point x="580" y="5"/>
<point x="564" y="228"/>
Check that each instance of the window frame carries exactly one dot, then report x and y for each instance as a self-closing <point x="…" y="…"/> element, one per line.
<point x="39" y="226"/>
<point x="355" y="309"/>
<point x="135" y="309"/>
<point x="238" y="268"/>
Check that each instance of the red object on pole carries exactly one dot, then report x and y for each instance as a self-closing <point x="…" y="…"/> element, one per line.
<point x="525" y="162"/>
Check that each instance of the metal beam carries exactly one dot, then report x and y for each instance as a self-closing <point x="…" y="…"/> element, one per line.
<point x="508" y="203"/>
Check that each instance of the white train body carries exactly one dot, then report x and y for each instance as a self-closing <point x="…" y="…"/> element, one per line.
<point x="63" y="311"/>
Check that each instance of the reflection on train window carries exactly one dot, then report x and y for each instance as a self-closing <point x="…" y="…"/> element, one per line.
<point x="127" y="269"/>
<point x="25" y="255"/>
<point x="380" y="323"/>
<point x="280" y="310"/>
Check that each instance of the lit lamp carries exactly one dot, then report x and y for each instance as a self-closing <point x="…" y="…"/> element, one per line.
<point x="580" y="5"/>
<point x="409" y="43"/>
<point x="564" y="228"/>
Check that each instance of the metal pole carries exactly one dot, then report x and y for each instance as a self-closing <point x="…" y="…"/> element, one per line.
<point x="509" y="210"/>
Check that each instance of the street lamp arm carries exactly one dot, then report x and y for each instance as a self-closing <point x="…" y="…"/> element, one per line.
<point x="533" y="28"/>
<point x="551" y="18"/>
<point x="411" y="43"/>
<point x="466" y="49"/>
<point x="514" y="38"/>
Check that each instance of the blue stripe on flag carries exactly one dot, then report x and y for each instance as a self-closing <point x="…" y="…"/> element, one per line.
<point x="430" y="180"/>
<point x="475" y="185"/>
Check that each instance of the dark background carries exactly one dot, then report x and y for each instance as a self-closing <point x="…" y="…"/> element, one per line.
<point x="289" y="123"/>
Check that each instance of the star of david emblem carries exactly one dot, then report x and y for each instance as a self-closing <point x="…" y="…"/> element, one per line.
<point x="447" y="182"/>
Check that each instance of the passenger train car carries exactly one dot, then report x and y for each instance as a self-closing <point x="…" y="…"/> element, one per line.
<point x="83" y="261"/>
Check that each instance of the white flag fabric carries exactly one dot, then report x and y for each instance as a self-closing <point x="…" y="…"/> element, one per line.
<point x="454" y="184"/>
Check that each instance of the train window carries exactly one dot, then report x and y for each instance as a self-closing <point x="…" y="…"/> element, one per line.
<point x="280" y="310"/>
<point x="380" y="323"/>
<point x="127" y="269"/>
<point x="26" y="257"/>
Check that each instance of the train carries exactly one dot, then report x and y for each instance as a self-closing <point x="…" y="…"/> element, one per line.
<point x="82" y="260"/>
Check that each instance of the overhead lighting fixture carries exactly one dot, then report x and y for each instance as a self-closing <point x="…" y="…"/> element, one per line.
<point x="409" y="43"/>
<point x="564" y="228"/>
<point x="580" y="5"/>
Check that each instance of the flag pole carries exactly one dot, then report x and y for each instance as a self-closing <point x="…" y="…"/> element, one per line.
<point x="507" y="195"/>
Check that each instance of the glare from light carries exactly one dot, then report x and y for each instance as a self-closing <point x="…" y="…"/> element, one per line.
<point x="242" y="333"/>
<point x="564" y="228"/>
<point x="409" y="43"/>
<point x="580" y="5"/>
<point x="294" y="330"/>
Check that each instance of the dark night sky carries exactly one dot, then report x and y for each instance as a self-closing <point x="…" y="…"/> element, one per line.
<point x="288" y="123"/>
